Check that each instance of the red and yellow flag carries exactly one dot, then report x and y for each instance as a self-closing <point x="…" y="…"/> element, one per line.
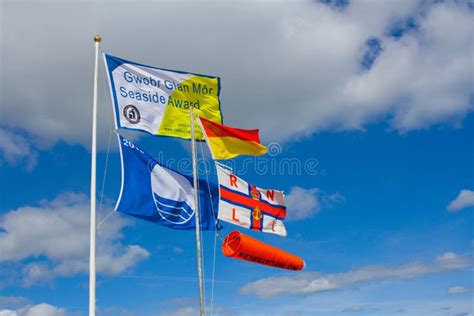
<point x="227" y="142"/>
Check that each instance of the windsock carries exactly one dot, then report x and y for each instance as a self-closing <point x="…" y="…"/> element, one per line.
<point x="243" y="247"/>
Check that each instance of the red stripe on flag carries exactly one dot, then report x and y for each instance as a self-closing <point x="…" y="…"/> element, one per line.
<point x="213" y="129"/>
<point x="251" y="203"/>
<point x="256" y="223"/>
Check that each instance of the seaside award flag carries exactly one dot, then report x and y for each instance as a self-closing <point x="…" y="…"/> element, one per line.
<point x="160" y="195"/>
<point x="228" y="142"/>
<point x="157" y="100"/>
<point x="245" y="205"/>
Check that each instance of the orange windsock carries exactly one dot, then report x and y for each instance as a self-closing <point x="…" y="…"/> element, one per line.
<point x="240" y="246"/>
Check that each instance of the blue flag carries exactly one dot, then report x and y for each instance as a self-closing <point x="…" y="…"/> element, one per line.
<point x="160" y="195"/>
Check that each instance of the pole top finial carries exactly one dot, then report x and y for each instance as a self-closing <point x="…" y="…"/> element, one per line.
<point x="97" y="39"/>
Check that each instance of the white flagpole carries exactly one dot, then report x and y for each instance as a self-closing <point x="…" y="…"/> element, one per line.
<point x="92" y="299"/>
<point x="196" y="212"/>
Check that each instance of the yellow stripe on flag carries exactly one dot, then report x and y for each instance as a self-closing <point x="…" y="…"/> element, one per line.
<point x="175" y="120"/>
<point x="230" y="147"/>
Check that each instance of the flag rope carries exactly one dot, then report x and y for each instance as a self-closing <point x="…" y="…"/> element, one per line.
<point x="202" y="246"/>
<point x="107" y="92"/>
<point x="216" y="230"/>
<point x="202" y="311"/>
<point x="104" y="219"/>
<point x="207" y="181"/>
<point x="104" y="177"/>
<point x="213" y="279"/>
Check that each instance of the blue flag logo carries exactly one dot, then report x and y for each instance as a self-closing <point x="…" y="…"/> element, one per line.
<point x="160" y="195"/>
<point x="173" y="195"/>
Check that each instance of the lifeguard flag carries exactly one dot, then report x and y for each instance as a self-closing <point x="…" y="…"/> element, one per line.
<point x="228" y="142"/>
<point x="245" y="205"/>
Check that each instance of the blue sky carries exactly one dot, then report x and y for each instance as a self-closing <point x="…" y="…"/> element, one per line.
<point x="376" y="98"/>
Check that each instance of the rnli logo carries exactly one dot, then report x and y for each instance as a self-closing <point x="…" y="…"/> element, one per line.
<point x="257" y="214"/>
<point x="131" y="114"/>
<point x="254" y="192"/>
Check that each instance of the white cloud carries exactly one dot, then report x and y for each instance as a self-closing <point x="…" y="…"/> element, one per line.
<point x="398" y="300"/>
<point x="450" y="260"/>
<point x="304" y="203"/>
<point x="15" y="149"/>
<point x="353" y="309"/>
<point x="115" y="311"/>
<point x="311" y="282"/>
<point x="183" y="311"/>
<point x="194" y="310"/>
<point x="401" y="83"/>
<point x="35" y="310"/>
<point x="43" y="310"/>
<point x="178" y="250"/>
<point x="13" y="301"/>
<point x="59" y="231"/>
<point x="459" y="290"/>
<point x="299" y="61"/>
<point x="464" y="199"/>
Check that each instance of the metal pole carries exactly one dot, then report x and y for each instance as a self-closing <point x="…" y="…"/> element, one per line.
<point x="92" y="272"/>
<point x="196" y="212"/>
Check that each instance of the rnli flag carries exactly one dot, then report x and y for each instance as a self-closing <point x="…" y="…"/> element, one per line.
<point x="160" y="195"/>
<point x="227" y="142"/>
<point x="245" y="205"/>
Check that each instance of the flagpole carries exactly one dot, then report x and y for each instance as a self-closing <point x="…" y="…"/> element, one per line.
<point x="196" y="207"/>
<point x="92" y="272"/>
